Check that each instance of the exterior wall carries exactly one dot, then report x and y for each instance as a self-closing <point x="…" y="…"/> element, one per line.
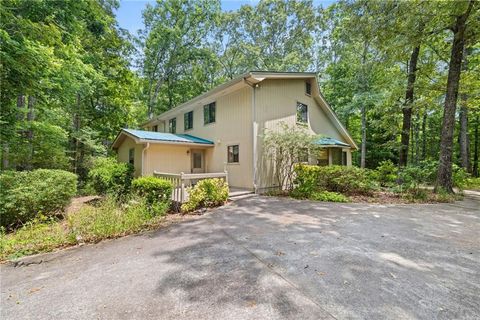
<point x="167" y="158"/>
<point x="233" y="125"/>
<point x="276" y="103"/>
<point x="123" y="152"/>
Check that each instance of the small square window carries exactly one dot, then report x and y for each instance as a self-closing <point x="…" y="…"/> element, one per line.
<point x="308" y="88"/>
<point x="188" y="120"/>
<point x="302" y="113"/>
<point x="155" y="128"/>
<point x="131" y="156"/>
<point x="209" y="113"/>
<point x="233" y="153"/>
<point x="172" y="125"/>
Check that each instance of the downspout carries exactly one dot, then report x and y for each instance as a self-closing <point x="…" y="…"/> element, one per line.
<point x="254" y="133"/>
<point x="143" y="157"/>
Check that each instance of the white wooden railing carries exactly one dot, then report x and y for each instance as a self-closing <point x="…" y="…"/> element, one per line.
<point x="181" y="181"/>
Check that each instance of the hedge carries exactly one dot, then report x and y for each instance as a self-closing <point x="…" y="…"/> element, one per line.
<point x="27" y="194"/>
<point x="155" y="191"/>
<point x="111" y="177"/>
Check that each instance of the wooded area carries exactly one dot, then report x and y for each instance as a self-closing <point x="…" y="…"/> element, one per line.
<point x="403" y="76"/>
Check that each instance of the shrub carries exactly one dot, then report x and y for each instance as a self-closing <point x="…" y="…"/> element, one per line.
<point x="348" y="180"/>
<point x="306" y="180"/>
<point x="386" y="173"/>
<point x="156" y="192"/>
<point x="328" y="196"/>
<point x="27" y="194"/>
<point x="206" y="193"/>
<point x="111" y="177"/>
<point x="471" y="184"/>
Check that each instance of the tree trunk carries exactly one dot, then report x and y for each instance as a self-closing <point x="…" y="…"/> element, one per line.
<point x="444" y="175"/>
<point x="475" y="148"/>
<point x="407" y="107"/>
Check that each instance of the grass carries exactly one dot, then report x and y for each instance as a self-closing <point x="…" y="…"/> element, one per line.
<point x="471" y="184"/>
<point x="89" y="224"/>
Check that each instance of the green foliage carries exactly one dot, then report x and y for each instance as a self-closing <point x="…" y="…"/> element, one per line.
<point x="111" y="177"/>
<point x="306" y="180"/>
<point x="471" y="184"/>
<point x="107" y="219"/>
<point x="155" y="191"/>
<point x="26" y="195"/>
<point x="38" y="235"/>
<point x="287" y="147"/>
<point x="206" y="193"/>
<point x="386" y="173"/>
<point x="347" y="180"/>
<point x="327" y="196"/>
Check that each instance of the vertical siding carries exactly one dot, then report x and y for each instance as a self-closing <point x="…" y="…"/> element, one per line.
<point x="276" y="103"/>
<point x="167" y="158"/>
<point x="233" y="125"/>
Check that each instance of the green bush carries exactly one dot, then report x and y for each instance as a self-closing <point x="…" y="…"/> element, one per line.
<point x="111" y="177"/>
<point x="306" y="180"/>
<point x="386" y="173"/>
<point x="328" y="196"/>
<point x="156" y="192"/>
<point x="206" y="193"/>
<point x="347" y="180"/>
<point x="471" y="184"/>
<point x="26" y="195"/>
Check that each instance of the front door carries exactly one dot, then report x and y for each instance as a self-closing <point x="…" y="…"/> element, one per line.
<point x="198" y="163"/>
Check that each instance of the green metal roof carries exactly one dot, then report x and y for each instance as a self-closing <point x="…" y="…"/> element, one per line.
<point x="328" y="141"/>
<point x="167" y="137"/>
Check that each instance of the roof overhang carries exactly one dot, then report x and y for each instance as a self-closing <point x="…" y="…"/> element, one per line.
<point x="124" y="134"/>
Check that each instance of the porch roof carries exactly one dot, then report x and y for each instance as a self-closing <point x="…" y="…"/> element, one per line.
<point x="162" y="137"/>
<point x="331" y="142"/>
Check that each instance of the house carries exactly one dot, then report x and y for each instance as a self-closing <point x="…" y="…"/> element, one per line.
<point x="221" y="130"/>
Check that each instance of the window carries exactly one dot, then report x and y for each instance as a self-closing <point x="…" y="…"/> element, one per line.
<point x="172" y="125"/>
<point x="322" y="157"/>
<point x="233" y="154"/>
<point x="155" y="128"/>
<point x="188" y="120"/>
<point x="344" y="158"/>
<point x="302" y="113"/>
<point x="308" y="88"/>
<point x="131" y="156"/>
<point x="209" y="113"/>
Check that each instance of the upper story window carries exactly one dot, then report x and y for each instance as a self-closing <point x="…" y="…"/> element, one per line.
<point x="209" y="113"/>
<point x="308" y="88"/>
<point x="233" y="153"/>
<point x="188" y="120"/>
<point x="155" y="128"/>
<point x="302" y="113"/>
<point x="172" y="125"/>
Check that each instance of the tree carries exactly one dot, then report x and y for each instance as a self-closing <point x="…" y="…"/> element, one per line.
<point x="459" y="28"/>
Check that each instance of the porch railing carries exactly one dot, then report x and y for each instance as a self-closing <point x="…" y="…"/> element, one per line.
<point x="181" y="181"/>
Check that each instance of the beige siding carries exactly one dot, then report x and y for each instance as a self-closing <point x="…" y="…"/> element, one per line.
<point x="276" y="103"/>
<point x="233" y="125"/>
<point x="123" y="152"/>
<point x="167" y="158"/>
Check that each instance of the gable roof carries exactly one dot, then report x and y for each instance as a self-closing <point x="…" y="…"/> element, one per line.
<point x="141" y="136"/>
<point x="255" y="77"/>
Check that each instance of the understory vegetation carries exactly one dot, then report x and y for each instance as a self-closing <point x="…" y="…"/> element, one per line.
<point x="344" y="184"/>
<point x="33" y="206"/>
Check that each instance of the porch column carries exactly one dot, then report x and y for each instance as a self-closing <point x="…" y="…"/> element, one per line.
<point x="348" y="153"/>
<point x="330" y="157"/>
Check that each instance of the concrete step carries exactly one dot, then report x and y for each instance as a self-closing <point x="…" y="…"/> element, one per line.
<point x="240" y="194"/>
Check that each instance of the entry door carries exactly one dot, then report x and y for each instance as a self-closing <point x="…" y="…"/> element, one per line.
<point x="198" y="163"/>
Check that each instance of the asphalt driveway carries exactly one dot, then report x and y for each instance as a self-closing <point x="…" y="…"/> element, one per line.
<point x="267" y="258"/>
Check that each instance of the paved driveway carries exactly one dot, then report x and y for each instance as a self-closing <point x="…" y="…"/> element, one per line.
<point x="267" y="258"/>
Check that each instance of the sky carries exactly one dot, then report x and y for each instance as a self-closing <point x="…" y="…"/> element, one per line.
<point x="129" y="15"/>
